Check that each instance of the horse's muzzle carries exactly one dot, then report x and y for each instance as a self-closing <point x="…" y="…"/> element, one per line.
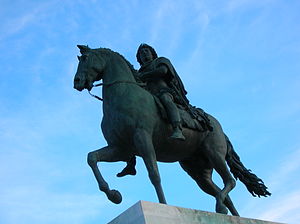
<point x="80" y="84"/>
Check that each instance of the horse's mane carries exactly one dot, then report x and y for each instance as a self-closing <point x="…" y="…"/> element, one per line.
<point x="133" y="70"/>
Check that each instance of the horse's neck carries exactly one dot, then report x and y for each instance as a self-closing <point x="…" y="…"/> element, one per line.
<point x="117" y="70"/>
<point x="117" y="80"/>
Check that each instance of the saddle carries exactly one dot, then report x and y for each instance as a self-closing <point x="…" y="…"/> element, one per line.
<point x="191" y="117"/>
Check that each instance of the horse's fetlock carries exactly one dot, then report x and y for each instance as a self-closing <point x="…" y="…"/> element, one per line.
<point x="104" y="188"/>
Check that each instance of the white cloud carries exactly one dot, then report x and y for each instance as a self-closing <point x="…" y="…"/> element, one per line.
<point x="14" y="25"/>
<point x="35" y="204"/>
<point x="36" y="177"/>
<point x="238" y="4"/>
<point x="168" y="22"/>
<point x="289" y="166"/>
<point x="285" y="209"/>
<point x="157" y="21"/>
<point x="283" y="205"/>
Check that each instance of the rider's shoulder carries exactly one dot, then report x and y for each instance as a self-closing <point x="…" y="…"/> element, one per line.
<point x="162" y="60"/>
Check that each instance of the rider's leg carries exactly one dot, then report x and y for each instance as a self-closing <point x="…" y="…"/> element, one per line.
<point x="173" y="115"/>
<point x="129" y="169"/>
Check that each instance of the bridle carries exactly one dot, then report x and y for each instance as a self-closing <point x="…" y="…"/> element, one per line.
<point x="107" y="85"/>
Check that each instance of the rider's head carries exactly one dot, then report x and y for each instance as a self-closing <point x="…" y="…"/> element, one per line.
<point x="141" y="51"/>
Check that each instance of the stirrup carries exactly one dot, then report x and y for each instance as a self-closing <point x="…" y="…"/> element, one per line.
<point x="177" y="134"/>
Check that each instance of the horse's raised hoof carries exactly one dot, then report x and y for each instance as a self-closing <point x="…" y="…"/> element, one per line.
<point x="114" y="196"/>
<point x="221" y="208"/>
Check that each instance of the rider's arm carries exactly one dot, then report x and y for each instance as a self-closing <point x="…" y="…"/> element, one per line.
<point x="159" y="72"/>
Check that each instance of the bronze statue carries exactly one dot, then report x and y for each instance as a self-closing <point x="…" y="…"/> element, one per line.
<point x="133" y="125"/>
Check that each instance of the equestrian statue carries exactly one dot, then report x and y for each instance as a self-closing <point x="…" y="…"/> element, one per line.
<point x="146" y="113"/>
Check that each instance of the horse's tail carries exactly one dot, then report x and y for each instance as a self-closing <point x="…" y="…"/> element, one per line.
<point x="254" y="184"/>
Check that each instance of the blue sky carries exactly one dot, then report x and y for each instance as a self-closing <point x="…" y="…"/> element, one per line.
<point x="239" y="61"/>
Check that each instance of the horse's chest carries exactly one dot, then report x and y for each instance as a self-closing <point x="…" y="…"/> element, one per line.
<point x="117" y="127"/>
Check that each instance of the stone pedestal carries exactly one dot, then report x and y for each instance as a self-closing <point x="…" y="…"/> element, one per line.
<point x="144" y="212"/>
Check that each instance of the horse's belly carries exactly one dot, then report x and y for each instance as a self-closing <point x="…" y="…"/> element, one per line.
<point x="172" y="150"/>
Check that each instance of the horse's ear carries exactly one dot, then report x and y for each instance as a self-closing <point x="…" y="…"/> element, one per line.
<point x="83" y="48"/>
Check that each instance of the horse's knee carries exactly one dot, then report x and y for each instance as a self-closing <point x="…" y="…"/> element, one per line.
<point x="91" y="158"/>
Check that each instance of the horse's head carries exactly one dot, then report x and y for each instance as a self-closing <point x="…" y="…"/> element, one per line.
<point x="90" y="68"/>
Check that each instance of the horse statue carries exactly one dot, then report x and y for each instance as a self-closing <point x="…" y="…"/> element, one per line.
<point x="132" y="126"/>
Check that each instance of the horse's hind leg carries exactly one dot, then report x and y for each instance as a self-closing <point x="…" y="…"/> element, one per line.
<point x="203" y="177"/>
<point x="107" y="154"/>
<point x="211" y="186"/>
<point x="220" y="166"/>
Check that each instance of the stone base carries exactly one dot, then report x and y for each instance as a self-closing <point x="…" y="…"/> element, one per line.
<point x="144" y="212"/>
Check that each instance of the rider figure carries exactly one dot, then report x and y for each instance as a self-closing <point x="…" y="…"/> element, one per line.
<point x="160" y="77"/>
<point x="162" y="81"/>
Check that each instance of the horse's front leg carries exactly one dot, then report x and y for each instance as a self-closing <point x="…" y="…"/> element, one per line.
<point x="143" y="142"/>
<point x="106" y="154"/>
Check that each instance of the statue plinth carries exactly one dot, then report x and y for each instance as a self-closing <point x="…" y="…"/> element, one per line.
<point x="144" y="212"/>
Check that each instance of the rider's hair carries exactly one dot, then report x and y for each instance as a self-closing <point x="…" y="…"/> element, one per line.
<point x="153" y="52"/>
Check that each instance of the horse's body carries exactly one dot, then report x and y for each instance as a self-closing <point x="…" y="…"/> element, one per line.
<point x="132" y="126"/>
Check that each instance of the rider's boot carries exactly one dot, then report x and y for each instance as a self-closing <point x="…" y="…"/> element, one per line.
<point x="129" y="169"/>
<point x="177" y="131"/>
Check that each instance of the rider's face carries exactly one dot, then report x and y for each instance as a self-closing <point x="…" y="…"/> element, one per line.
<point x="145" y="55"/>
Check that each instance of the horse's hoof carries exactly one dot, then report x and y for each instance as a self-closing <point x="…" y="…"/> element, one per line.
<point x="221" y="208"/>
<point x="115" y="196"/>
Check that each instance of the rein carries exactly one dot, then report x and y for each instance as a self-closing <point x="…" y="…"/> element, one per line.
<point x="111" y="84"/>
